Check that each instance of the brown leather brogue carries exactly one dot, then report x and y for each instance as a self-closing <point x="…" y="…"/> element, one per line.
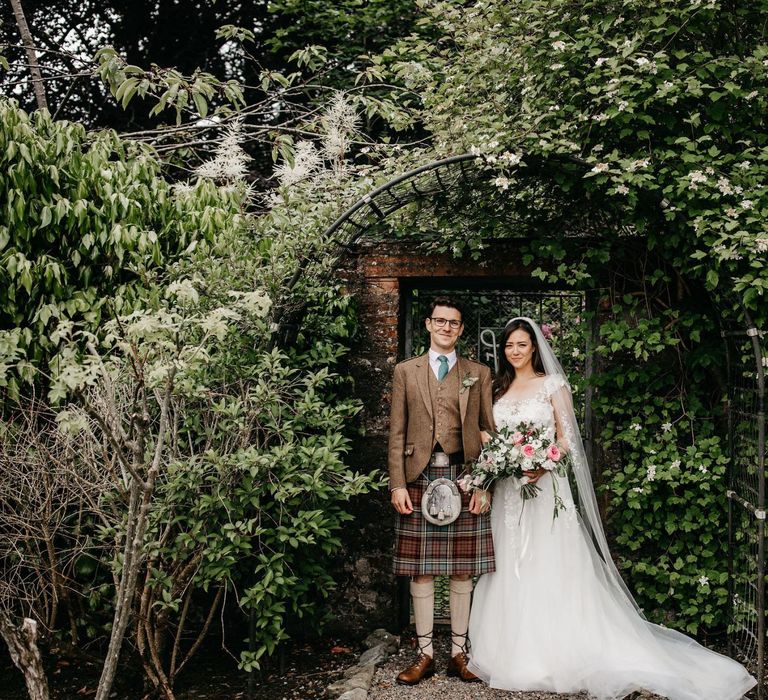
<point x="457" y="667"/>
<point x="423" y="668"/>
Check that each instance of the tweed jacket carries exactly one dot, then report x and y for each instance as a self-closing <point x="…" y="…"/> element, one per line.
<point x="411" y="424"/>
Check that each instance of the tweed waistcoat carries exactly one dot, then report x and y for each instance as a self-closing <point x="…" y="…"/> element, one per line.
<point x="446" y="415"/>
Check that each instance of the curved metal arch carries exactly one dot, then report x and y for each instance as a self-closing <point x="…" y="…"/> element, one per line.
<point x="425" y="181"/>
<point x="434" y="178"/>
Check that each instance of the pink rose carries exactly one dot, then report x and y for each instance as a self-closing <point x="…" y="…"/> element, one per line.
<point x="553" y="452"/>
<point x="517" y="438"/>
<point x="529" y="451"/>
<point x="546" y="331"/>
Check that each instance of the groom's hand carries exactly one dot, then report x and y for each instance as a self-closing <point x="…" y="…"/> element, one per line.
<point x="402" y="501"/>
<point x="480" y="502"/>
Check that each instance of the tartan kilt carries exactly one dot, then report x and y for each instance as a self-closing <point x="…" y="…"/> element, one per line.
<point x="423" y="549"/>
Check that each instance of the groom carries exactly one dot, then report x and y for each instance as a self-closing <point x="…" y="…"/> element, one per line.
<point x="440" y="405"/>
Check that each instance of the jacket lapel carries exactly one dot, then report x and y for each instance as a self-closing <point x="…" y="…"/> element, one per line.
<point x="463" y="395"/>
<point x="422" y="380"/>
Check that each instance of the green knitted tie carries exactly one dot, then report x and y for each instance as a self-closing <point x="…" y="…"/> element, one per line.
<point x="443" y="360"/>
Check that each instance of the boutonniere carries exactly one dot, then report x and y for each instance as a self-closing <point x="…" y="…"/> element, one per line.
<point x="467" y="382"/>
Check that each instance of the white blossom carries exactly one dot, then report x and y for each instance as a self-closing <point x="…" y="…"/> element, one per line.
<point x="746" y="204"/>
<point x="650" y="473"/>
<point x="575" y="352"/>
<point x="181" y="189"/>
<point x="696" y="177"/>
<point x="600" y="168"/>
<point x="340" y="122"/>
<point x="306" y="162"/>
<point x="558" y="46"/>
<point x="638" y="489"/>
<point x="229" y="161"/>
<point x="733" y="213"/>
<point x="751" y="96"/>
<point x="675" y="464"/>
<point x="511" y="158"/>
<point x="638" y="164"/>
<point x="666" y="427"/>
<point x="502" y="183"/>
<point x="622" y="189"/>
<point x="599" y="62"/>
<point x="703" y="580"/>
<point x="724" y="186"/>
<point x="602" y="117"/>
<point x="761" y="245"/>
<point x="556" y="66"/>
<point x="636" y="426"/>
<point x="703" y="469"/>
<point x="622" y="106"/>
<point x="745" y="165"/>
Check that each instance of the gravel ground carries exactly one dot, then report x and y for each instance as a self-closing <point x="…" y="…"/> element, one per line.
<point x="440" y="687"/>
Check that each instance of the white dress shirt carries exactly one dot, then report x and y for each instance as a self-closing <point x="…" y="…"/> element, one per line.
<point x="434" y="363"/>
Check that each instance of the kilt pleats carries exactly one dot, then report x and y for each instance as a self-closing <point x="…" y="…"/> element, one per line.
<point x="423" y="549"/>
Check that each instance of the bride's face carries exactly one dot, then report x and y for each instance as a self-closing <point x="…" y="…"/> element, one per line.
<point x="519" y="349"/>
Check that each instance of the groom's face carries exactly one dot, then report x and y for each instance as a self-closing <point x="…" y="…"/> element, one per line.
<point x="445" y="328"/>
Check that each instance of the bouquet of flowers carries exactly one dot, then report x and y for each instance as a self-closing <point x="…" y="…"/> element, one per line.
<point x="513" y="451"/>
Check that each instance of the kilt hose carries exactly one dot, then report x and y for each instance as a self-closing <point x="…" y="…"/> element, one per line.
<point x="423" y="549"/>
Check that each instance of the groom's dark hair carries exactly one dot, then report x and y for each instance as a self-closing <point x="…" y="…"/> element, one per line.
<point x="444" y="301"/>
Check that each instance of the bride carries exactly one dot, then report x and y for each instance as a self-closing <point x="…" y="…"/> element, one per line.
<point x="556" y="615"/>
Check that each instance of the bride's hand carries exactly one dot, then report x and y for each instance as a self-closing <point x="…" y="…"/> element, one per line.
<point x="484" y="437"/>
<point x="535" y="474"/>
<point x="480" y="502"/>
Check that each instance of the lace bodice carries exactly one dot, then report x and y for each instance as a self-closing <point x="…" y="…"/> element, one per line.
<point x="510" y="413"/>
<point x="535" y="409"/>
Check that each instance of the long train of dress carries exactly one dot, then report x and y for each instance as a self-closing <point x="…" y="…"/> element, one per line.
<point x="548" y="619"/>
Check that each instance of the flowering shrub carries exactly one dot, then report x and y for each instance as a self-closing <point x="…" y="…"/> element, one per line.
<point x="219" y="454"/>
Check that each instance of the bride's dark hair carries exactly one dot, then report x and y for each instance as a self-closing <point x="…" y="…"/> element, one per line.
<point x="506" y="374"/>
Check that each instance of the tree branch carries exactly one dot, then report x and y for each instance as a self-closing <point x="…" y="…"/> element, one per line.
<point x="29" y="47"/>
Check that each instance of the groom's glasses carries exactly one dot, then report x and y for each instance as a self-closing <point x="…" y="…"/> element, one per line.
<point x="440" y="322"/>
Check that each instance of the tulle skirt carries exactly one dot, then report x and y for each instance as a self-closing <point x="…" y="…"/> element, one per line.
<point x="548" y="618"/>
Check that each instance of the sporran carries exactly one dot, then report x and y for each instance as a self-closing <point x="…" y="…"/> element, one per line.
<point x="441" y="502"/>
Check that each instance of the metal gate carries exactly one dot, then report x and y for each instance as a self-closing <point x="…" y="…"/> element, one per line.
<point x="486" y="311"/>
<point x="746" y="498"/>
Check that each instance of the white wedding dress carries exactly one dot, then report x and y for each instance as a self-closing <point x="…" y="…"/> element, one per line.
<point x="549" y="618"/>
